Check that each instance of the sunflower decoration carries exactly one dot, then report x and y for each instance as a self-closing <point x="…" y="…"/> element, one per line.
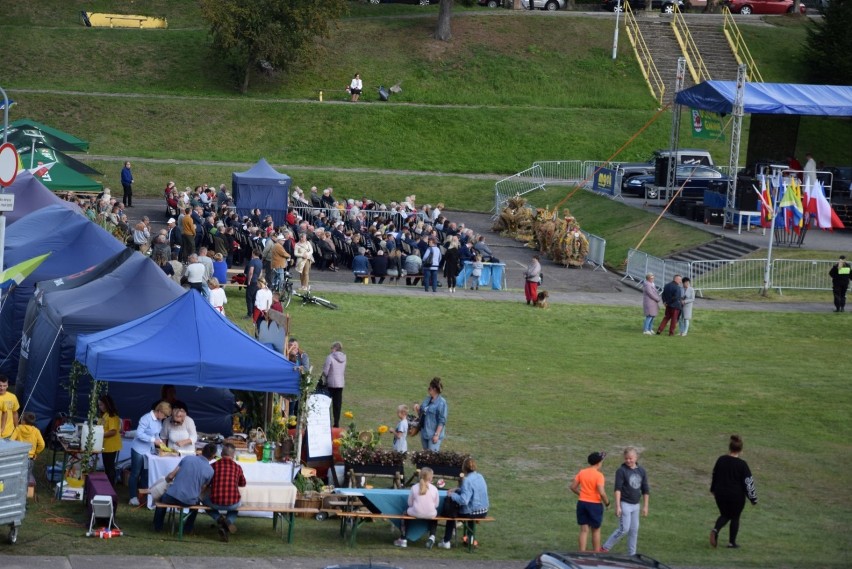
<point x="358" y="445"/>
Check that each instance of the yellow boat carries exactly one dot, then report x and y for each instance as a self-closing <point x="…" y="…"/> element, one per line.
<point x="95" y="20"/>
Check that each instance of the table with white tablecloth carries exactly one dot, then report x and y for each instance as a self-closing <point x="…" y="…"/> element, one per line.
<point x="267" y="483"/>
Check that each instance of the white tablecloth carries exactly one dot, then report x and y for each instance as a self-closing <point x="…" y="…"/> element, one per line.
<point x="269" y="480"/>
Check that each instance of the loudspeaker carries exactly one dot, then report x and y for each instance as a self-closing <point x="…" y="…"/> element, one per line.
<point x="661" y="170"/>
<point x="714" y="216"/>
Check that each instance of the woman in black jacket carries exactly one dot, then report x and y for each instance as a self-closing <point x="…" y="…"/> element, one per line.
<point x="732" y="484"/>
<point x="452" y="263"/>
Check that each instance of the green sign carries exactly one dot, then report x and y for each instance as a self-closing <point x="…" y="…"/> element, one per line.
<point x="706" y="125"/>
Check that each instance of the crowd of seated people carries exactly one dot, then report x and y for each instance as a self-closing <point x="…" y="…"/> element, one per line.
<point x="384" y="242"/>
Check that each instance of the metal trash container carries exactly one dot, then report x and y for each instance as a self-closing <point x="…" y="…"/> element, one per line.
<point x="14" y="457"/>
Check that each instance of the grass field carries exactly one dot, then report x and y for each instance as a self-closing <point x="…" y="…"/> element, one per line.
<point x="532" y="392"/>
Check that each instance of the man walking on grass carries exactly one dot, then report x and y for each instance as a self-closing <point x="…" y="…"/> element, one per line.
<point x="673" y="299"/>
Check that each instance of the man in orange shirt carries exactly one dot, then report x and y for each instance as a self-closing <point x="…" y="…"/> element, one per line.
<point x="589" y="486"/>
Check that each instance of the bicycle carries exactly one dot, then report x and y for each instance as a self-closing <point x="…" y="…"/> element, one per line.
<point x="308" y="298"/>
<point x="284" y="288"/>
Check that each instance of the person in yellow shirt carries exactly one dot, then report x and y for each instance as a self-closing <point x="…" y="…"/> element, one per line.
<point x="112" y="434"/>
<point x="27" y="432"/>
<point x="8" y="409"/>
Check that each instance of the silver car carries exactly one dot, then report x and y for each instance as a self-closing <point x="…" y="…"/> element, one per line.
<point x="549" y="5"/>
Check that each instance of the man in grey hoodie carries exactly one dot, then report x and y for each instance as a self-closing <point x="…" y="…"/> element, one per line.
<point x="334" y="370"/>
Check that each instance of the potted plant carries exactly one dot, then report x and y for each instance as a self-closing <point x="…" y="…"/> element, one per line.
<point x="308" y="488"/>
<point x="363" y="456"/>
<point x="443" y="463"/>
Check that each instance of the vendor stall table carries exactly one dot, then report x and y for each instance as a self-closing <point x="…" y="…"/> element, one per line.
<point x="267" y="483"/>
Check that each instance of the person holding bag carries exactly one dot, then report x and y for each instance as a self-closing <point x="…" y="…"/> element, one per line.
<point x="471" y="498"/>
<point x="433" y="416"/>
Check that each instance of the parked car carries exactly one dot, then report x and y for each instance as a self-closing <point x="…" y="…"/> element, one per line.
<point x="421" y="2"/>
<point x="551" y="560"/>
<point x="762" y="6"/>
<point x="684" y="156"/>
<point x="697" y="178"/>
<point x="489" y="3"/>
<point x="549" y="5"/>
<point x="840" y="180"/>
<point x="665" y="6"/>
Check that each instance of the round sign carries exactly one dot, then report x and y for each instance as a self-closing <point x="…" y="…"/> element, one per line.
<point x="8" y="164"/>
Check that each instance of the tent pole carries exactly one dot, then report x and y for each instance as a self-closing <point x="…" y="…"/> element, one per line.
<point x="736" y="132"/>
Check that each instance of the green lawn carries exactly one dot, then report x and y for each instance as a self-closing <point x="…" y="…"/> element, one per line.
<point x="532" y="392"/>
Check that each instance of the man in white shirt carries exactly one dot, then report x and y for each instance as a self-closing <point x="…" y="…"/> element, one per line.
<point x="810" y="171"/>
<point x="195" y="274"/>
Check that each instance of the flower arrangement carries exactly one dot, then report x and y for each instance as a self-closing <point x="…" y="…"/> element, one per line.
<point x="278" y="425"/>
<point x="362" y="447"/>
<point x="441" y="458"/>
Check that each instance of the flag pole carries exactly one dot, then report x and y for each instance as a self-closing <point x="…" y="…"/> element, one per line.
<point x="767" y="271"/>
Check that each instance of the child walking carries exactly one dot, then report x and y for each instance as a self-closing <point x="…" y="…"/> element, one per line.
<point x="400" y="433"/>
<point x="476" y="272"/>
<point x="589" y="486"/>
<point x="27" y="432"/>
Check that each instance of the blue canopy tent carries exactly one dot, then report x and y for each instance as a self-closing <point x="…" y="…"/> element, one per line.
<point x="776" y="110"/>
<point x="31" y="195"/>
<point x="76" y="243"/>
<point x="261" y="187"/>
<point x="770" y="98"/>
<point x="58" y="314"/>
<point x="186" y="342"/>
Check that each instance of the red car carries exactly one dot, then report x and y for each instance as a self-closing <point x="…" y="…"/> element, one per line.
<point x="763" y="6"/>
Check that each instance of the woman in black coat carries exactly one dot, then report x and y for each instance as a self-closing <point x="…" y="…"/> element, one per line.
<point x="732" y="484"/>
<point x="452" y="263"/>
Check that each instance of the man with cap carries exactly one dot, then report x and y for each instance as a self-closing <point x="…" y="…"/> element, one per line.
<point x="173" y="235"/>
<point x="589" y="485"/>
<point x="840" y="274"/>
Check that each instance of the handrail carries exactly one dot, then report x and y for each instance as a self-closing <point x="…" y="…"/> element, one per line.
<point x="640" y="49"/>
<point x="739" y="47"/>
<point x="694" y="61"/>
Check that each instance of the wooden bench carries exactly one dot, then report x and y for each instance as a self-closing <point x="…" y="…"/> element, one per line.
<point x="286" y="514"/>
<point x="358" y="518"/>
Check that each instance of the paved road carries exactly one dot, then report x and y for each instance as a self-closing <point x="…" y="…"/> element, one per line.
<point x="570" y="286"/>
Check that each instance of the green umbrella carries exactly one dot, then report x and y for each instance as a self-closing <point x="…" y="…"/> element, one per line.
<point x="68" y="139"/>
<point x="44" y="154"/>
<point x="57" y="176"/>
<point x="15" y="275"/>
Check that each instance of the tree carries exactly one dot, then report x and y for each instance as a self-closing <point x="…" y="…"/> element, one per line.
<point x="444" y="31"/>
<point x="247" y="33"/>
<point x="829" y="43"/>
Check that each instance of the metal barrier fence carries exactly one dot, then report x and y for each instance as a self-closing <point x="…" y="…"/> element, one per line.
<point x="520" y="184"/>
<point x="728" y="274"/>
<point x="562" y="170"/>
<point x="597" y="250"/>
<point x="732" y="274"/>
<point x="801" y="274"/>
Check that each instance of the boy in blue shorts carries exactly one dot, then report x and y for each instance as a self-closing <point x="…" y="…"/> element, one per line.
<point x="589" y="484"/>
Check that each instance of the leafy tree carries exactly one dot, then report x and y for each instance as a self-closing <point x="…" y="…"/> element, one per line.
<point x="249" y="32"/>
<point x="829" y="44"/>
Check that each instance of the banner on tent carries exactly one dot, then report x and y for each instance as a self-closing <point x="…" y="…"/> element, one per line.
<point x="706" y="125"/>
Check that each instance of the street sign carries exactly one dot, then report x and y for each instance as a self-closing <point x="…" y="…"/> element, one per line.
<point x="7" y="202"/>
<point x="8" y="164"/>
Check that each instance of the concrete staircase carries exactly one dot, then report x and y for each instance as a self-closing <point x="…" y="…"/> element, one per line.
<point x="707" y="34"/>
<point x="721" y="248"/>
